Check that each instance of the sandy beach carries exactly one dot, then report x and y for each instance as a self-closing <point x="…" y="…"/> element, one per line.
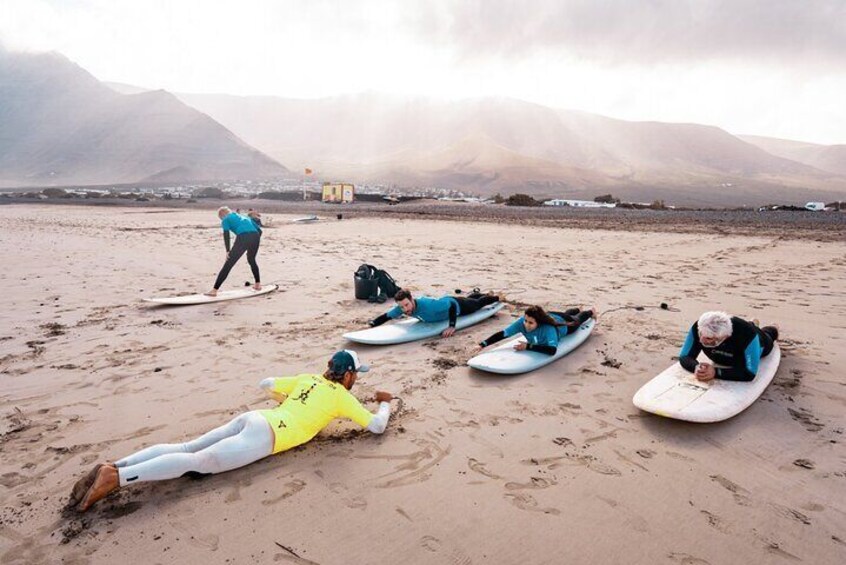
<point x="555" y="466"/>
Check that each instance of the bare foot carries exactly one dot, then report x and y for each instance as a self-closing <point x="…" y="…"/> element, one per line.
<point x="595" y="312"/>
<point x="212" y="292"/>
<point x="257" y="286"/>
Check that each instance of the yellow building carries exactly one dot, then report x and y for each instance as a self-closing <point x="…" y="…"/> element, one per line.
<point x="338" y="192"/>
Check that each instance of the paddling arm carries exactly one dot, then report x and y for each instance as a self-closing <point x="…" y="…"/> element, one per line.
<point x="379" y="321"/>
<point x="498" y="336"/>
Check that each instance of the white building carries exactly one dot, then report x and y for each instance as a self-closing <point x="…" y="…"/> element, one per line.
<point x="579" y="203"/>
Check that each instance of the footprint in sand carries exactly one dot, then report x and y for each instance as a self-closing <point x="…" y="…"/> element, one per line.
<point x="534" y="483"/>
<point x="773" y="548"/>
<point x="593" y="464"/>
<point x="349" y="501"/>
<point x="715" y="522"/>
<point x="208" y="542"/>
<point x="527" y="502"/>
<point x="807" y="419"/>
<point x="679" y="456"/>
<point x="403" y="513"/>
<point x="479" y="467"/>
<point x="292" y="488"/>
<point x="741" y="495"/>
<point x="634" y="521"/>
<point x="687" y="559"/>
<point x="430" y="543"/>
<point x="628" y="460"/>
<point x="791" y="514"/>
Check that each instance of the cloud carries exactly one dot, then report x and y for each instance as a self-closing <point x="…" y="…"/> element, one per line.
<point x="628" y="32"/>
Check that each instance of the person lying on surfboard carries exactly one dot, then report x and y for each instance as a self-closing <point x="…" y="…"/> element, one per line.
<point x="308" y="402"/>
<point x="247" y="239"/>
<point x="428" y="309"/>
<point x="736" y="344"/>
<point x="542" y="330"/>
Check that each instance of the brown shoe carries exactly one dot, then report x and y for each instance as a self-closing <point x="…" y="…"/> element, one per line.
<point x="105" y="482"/>
<point x="82" y="485"/>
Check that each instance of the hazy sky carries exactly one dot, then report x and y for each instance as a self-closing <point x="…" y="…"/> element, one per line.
<point x="774" y="67"/>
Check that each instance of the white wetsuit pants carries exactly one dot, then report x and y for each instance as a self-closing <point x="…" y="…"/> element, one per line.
<point x="244" y="440"/>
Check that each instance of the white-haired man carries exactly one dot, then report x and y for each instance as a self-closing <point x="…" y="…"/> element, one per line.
<point x="247" y="239"/>
<point x="729" y="341"/>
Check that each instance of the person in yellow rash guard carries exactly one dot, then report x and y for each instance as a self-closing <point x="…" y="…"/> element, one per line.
<point x="308" y="403"/>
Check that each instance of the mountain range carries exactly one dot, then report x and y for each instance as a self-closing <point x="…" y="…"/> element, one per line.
<point x="831" y="158"/>
<point x="59" y="125"/>
<point x="504" y="145"/>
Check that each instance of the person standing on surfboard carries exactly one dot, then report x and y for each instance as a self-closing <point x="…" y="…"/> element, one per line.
<point x="428" y="309"/>
<point x="247" y="239"/>
<point x="307" y="404"/>
<point x="542" y="330"/>
<point x="726" y="340"/>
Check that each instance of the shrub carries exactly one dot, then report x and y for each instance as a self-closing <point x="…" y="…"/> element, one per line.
<point x="521" y="200"/>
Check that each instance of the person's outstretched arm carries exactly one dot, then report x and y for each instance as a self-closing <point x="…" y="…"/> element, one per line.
<point x="226" y="242"/>
<point x="376" y="423"/>
<point x="511" y="329"/>
<point x="391" y="314"/>
<point x="379" y="321"/>
<point x="498" y="336"/>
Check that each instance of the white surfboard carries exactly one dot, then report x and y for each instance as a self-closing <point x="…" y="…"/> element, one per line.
<point x="412" y="329"/>
<point x="222" y="296"/>
<point x="675" y="393"/>
<point x="306" y="220"/>
<point x="505" y="360"/>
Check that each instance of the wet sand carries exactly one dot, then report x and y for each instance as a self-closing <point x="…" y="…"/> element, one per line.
<point x="550" y="467"/>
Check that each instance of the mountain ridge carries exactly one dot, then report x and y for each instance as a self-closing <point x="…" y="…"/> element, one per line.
<point x="59" y="125"/>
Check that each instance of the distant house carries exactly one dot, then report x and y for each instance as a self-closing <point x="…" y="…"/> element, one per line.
<point x="815" y="206"/>
<point x="340" y="193"/>
<point x="579" y="203"/>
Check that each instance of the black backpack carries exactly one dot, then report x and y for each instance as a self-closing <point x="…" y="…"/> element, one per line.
<point x="387" y="285"/>
<point x="372" y="282"/>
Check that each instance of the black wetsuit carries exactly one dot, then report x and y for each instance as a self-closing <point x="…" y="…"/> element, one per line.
<point x="740" y="353"/>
